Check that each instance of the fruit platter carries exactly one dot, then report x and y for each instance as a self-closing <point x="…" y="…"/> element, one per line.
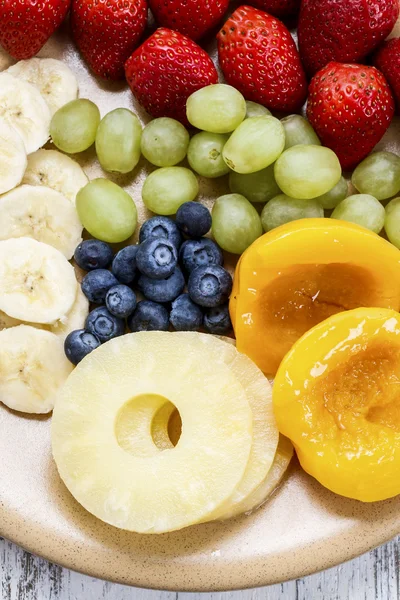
<point x="199" y="286"/>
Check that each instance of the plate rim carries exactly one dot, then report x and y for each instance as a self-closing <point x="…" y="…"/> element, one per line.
<point x="311" y="558"/>
<point x="202" y="587"/>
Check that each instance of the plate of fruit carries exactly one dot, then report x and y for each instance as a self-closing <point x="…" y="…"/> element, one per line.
<point x="199" y="286"/>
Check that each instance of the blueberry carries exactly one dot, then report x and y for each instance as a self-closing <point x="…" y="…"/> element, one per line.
<point x="104" y="325"/>
<point x="193" y="219"/>
<point x="209" y="286"/>
<point x="162" y="290"/>
<point x="157" y="258"/>
<point x="96" y="284"/>
<point x="217" y="320"/>
<point x="93" y="254"/>
<point x="79" y="344"/>
<point x="121" y="301"/>
<point x="149" y="316"/>
<point x="124" y="264"/>
<point x="161" y="227"/>
<point x="200" y="253"/>
<point x="185" y="314"/>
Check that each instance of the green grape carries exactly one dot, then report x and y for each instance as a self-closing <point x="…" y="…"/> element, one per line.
<point x="392" y="221"/>
<point x="166" y="189"/>
<point x="73" y="127"/>
<point x="307" y="172"/>
<point x="205" y="154"/>
<point x="332" y="198"/>
<point x="256" y="187"/>
<point x="255" y="110"/>
<point x="362" y="209"/>
<point x="165" y="142"/>
<point x="254" y="145"/>
<point x="106" y="211"/>
<point x="217" y="108"/>
<point x="298" y="131"/>
<point x="118" y="141"/>
<point x="235" y="223"/>
<point x="282" y="209"/>
<point x="378" y="175"/>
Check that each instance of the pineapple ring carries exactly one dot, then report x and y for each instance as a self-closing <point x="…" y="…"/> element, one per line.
<point x="165" y="429"/>
<point x="152" y="420"/>
<point x="175" y="488"/>
<point x="265" y="432"/>
<point x="283" y="456"/>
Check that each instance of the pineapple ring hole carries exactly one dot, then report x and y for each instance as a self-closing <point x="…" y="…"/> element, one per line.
<point x="148" y="421"/>
<point x="366" y="387"/>
<point x="174" y="427"/>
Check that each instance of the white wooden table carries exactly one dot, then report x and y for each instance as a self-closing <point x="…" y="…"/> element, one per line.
<point x="373" y="576"/>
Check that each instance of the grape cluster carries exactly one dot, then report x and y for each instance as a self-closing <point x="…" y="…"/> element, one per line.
<point x="278" y="163"/>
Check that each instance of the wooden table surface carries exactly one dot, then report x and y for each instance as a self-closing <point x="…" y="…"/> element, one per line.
<point x="373" y="576"/>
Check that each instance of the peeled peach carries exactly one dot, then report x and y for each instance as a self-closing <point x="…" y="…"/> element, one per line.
<point x="337" y="397"/>
<point x="297" y="275"/>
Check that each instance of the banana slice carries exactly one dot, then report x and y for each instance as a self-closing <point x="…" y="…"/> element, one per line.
<point x="75" y="319"/>
<point x="37" y="283"/>
<point x="54" y="80"/>
<point x="23" y="107"/>
<point x="42" y="214"/>
<point x="13" y="161"/>
<point x="56" y="171"/>
<point x="33" y="367"/>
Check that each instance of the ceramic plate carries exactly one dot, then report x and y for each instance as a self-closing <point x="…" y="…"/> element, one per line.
<point x="303" y="528"/>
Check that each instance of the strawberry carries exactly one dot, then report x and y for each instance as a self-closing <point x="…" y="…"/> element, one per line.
<point x="387" y="59"/>
<point x="343" y="30"/>
<point x="350" y="107"/>
<point x="193" y="18"/>
<point x="278" y="8"/>
<point x="165" y="70"/>
<point x="26" y="25"/>
<point x="258" y="56"/>
<point x="107" y="32"/>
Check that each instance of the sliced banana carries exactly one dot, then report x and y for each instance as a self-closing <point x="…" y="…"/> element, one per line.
<point x="23" y="107"/>
<point x="13" y="160"/>
<point x="42" y="214"/>
<point x="53" y="78"/>
<point x="33" y="367"/>
<point x="56" y="171"/>
<point x="37" y="283"/>
<point x="75" y="319"/>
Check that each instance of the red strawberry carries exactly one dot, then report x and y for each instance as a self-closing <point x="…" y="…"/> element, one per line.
<point x="343" y="30"/>
<point x="107" y="32"/>
<point x="258" y="56"/>
<point x="193" y="18"/>
<point x="350" y="108"/>
<point x="387" y="59"/>
<point x="26" y="25"/>
<point x="165" y="70"/>
<point x="278" y="8"/>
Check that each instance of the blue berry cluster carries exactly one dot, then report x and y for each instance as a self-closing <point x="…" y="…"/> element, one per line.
<point x="160" y="267"/>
